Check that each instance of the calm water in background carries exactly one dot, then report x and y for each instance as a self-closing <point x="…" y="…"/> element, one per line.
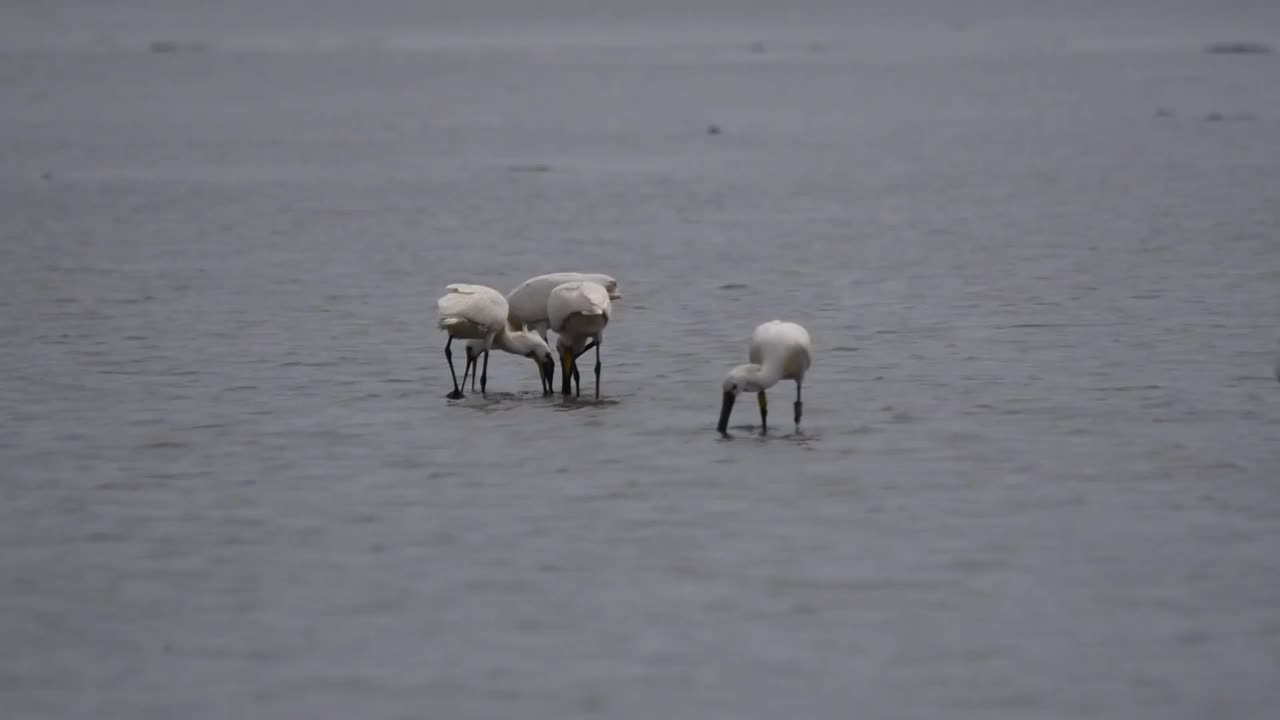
<point x="1037" y="253"/>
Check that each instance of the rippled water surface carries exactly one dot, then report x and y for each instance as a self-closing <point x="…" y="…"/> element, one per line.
<point x="1038" y="255"/>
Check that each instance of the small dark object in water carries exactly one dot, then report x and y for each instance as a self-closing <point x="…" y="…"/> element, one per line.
<point x="1238" y="48"/>
<point x="1164" y="113"/>
<point x="756" y="47"/>
<point x="529" y="168"/>
<point x="1230" y="117"/>
<point x="171" y="46"/>
<point x="713" y="130"/>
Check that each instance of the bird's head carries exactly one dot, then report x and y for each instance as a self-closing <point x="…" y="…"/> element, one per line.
<point x="534" y="347"/>
<point x="744" y="378"/>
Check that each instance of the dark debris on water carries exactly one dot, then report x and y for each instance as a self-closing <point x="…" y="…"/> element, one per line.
<point x="1237" y="48"/>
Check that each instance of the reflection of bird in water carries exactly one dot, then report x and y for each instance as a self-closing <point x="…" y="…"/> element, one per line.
<point x="479" y="314"/>
<point x="779" y="351"/>
<point x="578" y="311"/>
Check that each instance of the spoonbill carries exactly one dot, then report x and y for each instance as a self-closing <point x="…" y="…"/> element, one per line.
<point x="517" y="342"/>
<point x="779" y="351"/>
<point x="528" y="302"/>
<point x="479" y="314"/>
<point x="578" y="311"/>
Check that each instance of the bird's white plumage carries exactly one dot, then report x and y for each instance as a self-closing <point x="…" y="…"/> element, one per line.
<point x="516" y="342"/>
<point x="578" y="311"/>
<point x="524" y="343"/>
<point x="784" y="344"/>
<point x="578" y="308"/>
<point x="472" y="312"/>
<point x="529" y="301"/>
<point x="779" y="351"/>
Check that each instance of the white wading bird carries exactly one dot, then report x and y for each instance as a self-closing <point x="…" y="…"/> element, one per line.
<point x="528" y="302"/>
<point x="578" y="311"/>
<point x="479" y="314"/>
<point x="516" y="342"/>
<point x="779" y="351"/>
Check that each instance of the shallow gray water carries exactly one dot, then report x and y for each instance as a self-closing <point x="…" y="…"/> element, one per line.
<point x="1037" y="254"/>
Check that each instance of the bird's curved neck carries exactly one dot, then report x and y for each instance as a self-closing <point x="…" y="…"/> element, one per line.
<point x="516" y="342"/>
<point x="766" y="374"/>
<point x="504" y="340"/>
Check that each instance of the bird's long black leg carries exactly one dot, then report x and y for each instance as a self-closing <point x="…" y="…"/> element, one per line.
<point x="448" y="355"/>
<point x="484" y="373"/>
<point x="466" y="369"/>
<point x="764" y="412"/>
<point x="597" y="371"/>
<point x="577" y="377"/>
<point x="799" y="405"/>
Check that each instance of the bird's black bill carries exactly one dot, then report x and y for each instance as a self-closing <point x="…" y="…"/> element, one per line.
<point x="548" y="372"/>
<point x="726" y="407"/>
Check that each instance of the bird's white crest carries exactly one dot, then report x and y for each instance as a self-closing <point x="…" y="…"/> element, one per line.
<point x="528" y="302"/>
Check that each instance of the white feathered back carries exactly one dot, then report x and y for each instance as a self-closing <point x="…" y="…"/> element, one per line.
<point x="528" y="302"/>
<point x="478" y="309"/>
<point x="578" y="297"/>
<point x="784" y="343"/>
